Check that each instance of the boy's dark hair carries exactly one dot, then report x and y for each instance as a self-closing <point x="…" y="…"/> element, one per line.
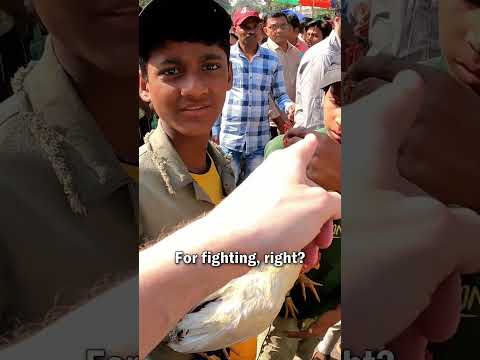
<point x="336" y="92"/>
<point x="324" y="26"/>
<point x="293" y="21"/>
<point x="313" y="23"/>
<point x="274" y="15"/>
<point x="207" y="23"/>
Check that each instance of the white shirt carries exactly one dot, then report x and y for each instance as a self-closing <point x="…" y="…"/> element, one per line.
<point x="314" y="65"/>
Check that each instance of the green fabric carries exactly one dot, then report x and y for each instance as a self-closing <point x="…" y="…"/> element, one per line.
<point x="37" y="44"/>
<point x="154" y="122"/>
<point x="329" y="274"/>
<point x="277" y="143"/>
<point x="464" y="343"/>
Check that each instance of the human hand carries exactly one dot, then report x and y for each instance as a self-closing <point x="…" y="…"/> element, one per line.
<point x="282" y="124"/>
<point x="400" y="267"/>
<point x="291" y="114"/>
<point x="286" y="214"/>
<point x="448" y="105"/>
<point x="325" y="167"/>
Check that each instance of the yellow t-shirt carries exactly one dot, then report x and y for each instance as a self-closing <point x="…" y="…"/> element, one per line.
<point x="211" y="183"/>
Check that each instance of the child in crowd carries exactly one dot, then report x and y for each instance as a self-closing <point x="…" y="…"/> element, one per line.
<point x="184" y="76"/>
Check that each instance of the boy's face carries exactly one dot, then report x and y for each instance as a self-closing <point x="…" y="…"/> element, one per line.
<point x="103" y="33"/>
<point x="313" y="36"/>
<point x="187" y="84"/>
<point x="332" y="112"/>
<point x="460" y="39"/>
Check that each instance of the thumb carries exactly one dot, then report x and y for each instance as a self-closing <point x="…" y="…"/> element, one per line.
<point x="301" y="153"/>
<point x="375" y="127"/>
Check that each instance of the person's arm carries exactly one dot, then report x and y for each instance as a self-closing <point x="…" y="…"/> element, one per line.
<point x="275" y="116"/>
<point x="279" y="91"/>
<point x="271" y="219"/>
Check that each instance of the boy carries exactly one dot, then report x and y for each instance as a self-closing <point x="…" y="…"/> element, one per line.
<point x="184" y="75"/>
<point x="317" y="316"/>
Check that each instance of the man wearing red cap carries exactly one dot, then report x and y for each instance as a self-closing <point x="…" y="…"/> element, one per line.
<point x="243" y="128"/>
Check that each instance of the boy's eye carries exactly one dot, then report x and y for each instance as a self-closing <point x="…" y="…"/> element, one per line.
<point x="170" y="72"/>
<point x="211" y="67"/>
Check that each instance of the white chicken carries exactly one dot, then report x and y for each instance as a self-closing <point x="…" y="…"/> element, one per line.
<point x="245" y="306"/>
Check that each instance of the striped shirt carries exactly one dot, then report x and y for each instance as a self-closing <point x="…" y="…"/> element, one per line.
<point x="243" y="125"/>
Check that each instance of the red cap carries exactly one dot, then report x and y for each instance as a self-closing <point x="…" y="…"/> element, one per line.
<point x="242" y="14"/>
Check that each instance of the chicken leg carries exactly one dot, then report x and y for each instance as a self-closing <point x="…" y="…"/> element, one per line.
<point x="290" y="308"/>
<point x="307" y="283"/>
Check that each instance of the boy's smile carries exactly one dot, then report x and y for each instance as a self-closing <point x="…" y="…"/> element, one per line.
<point x="186" y="84"/>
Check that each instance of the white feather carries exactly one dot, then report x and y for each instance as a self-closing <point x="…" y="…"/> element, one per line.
<point x="244" y="308"/>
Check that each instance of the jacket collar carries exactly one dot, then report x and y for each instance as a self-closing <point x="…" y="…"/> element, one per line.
<point x="173" y="171"/>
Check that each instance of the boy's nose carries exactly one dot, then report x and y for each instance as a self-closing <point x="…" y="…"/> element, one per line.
<point x="194" y="86"/>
